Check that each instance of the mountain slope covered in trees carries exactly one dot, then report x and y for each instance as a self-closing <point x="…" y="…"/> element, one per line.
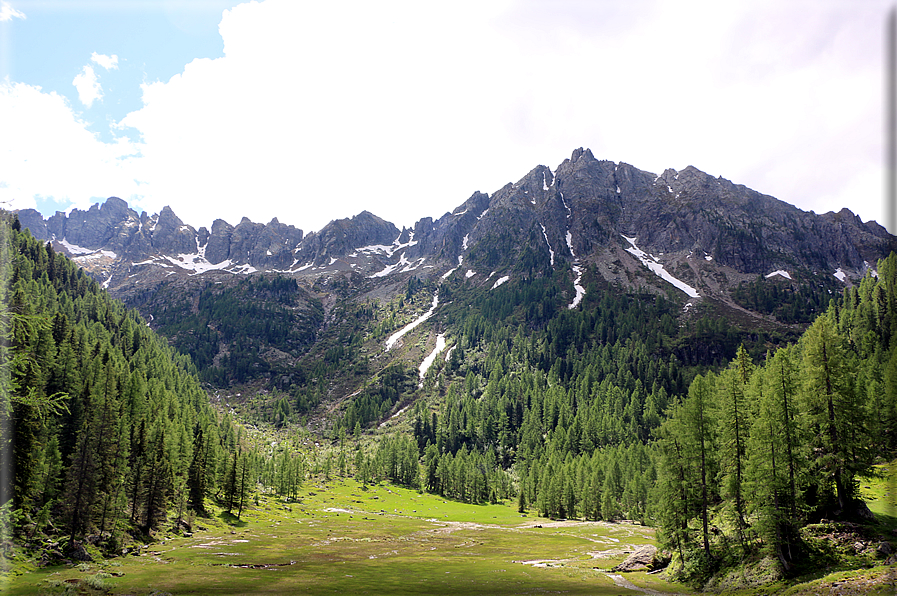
<point x="768" y="449"/>
<point x="592" y="342"/>
<point x="731" y="252"/>
<point x="109" y="430"/>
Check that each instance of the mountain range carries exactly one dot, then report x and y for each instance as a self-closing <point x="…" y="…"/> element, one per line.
<point x="715" y="247"/>
<point x="587" y="211"/>
<point x="592" y="342"/>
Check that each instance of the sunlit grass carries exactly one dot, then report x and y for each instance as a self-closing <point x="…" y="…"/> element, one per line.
<point x="880" y="494"/>
<point x="344" y="538"/>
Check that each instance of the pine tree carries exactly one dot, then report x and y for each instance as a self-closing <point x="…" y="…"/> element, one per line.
<point x="196" y="475"/>
<point x="673" y="487"/>
<point x="833" y="411"/>
<point x="244" y="483"/>
<point x="231" y="483"/>
<point x="734" y="418"/>
<point x="698" y="440"/>
<point x="157" y="484"/>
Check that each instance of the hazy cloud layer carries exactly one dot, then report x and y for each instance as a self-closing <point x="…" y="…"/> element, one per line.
<point x="319" y="110"/>
<point x="88" y="86"/>
<point x="53" y="154"/>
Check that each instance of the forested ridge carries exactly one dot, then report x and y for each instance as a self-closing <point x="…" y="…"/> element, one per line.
<point x="727" y="439"/>
<point x="589" y="414"/>
<point x="757" y="452"/>
<point x="109" y="429"/>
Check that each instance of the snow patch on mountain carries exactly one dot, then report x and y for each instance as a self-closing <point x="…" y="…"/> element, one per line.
<point x="551" y="252"/>
<point x="580" y="291"/>
<point x="95" y="255"/>
<point x="567" y="207"/>
<point x="74" y="248"/>
<point x="398" y="334"/>
<point x="449" y="353"/>
<point x="781" y="272"/>
<point x="868" y="267"/>
<point x="651" y="263"/>
<point x="401" y="266"/>
<point x="500" y="281"/>
<point x="453" y="269"/>
<point x="428" y="361"/>
<point x="390" y="249"/>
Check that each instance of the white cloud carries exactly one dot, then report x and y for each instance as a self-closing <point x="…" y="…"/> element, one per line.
<point x="8" y="13"/>
<point x="107" y="62"/>
<point x="46" y="151"/>
<point x="319" y="110"/>
<point x="89" y="88"/>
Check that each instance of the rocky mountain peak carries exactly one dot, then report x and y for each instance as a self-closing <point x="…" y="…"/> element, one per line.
<point x="342" y="236"/>
<point x="171" y="236"/>
<point x="613" y="217"/>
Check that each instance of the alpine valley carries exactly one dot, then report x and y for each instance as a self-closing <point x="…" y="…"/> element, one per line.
<point x="594" y="343"/>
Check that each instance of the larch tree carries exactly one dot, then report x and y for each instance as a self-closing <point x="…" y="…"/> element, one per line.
<point x="833" y="411"/>
<point x="734" y="421"/>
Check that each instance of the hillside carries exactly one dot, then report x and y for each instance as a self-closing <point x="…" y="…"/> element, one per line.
<point x="717" y="250"/>
<point x="106" y="428"/>
<point x="574" y="343"/>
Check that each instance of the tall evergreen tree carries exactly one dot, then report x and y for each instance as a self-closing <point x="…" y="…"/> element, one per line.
<point x="734" y="430"/>
<point x="833" y="411"/>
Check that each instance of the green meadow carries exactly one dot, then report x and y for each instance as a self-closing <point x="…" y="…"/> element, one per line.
<point x="344" y="538"/>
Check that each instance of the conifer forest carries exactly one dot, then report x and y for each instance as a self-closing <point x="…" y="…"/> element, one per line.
<point x="728" y="441"/>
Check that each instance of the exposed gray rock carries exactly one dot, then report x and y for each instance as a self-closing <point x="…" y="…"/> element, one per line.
<point x="218" y="247"/>
<point x="645" y="558"/>
<point x="342" y="236"/>
<point x="202" y="236"/>
<point x="77" y="552"/>
<point x="862" y="511"/>
<point x="95" y="227"/>
<point x="34" y="221"/>
<point x="523" y="228"/>
<point x="171" y="236"/>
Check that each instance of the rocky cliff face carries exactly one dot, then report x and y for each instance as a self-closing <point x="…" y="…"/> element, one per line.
<point x="716" y="250"/>
<point x="341" y="237"/>
<point x="682" y="229"/>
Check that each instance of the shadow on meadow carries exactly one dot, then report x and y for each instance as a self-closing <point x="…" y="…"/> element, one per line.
<point x="232" y="520"/>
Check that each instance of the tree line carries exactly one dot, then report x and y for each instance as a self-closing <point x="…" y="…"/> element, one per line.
<point x="109" y="430"/>
<point x="757" y="451"/>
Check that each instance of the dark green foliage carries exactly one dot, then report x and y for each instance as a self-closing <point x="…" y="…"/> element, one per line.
<point x="792" y="435"/>
<point x="105" y="414"/>
<point x="236" y="322"/>
<point x="392" y="386"/>
<point x="788" y="302"/>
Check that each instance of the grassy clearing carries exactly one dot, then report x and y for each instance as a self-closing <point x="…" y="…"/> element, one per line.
<point x="345" y="539"/>
<point x="880" y="494"/>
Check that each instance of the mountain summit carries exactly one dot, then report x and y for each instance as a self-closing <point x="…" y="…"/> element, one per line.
<point x="699" y="234"/>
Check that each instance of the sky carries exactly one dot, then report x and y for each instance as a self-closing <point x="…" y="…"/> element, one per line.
<point x="310" y="111"/>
